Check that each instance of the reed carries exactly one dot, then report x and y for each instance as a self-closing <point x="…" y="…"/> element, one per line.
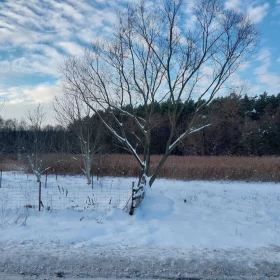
<point x="176" y="167"/>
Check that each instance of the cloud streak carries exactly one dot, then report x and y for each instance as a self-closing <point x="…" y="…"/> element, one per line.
<point x="263" y="73"/>
<point x="55" y="28"/>
<point x="18" y="100"/>
<point x="42" y="93"/>
<point x="256" y="12"/>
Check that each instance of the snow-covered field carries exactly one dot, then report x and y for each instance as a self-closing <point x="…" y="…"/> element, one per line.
<point x="175" y="216"/>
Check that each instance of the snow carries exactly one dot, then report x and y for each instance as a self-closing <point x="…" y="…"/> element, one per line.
<point x="173" y="213"/>
<point x="179" y="226"/>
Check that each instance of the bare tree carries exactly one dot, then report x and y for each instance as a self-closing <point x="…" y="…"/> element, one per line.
<point x="75" y="113"/>
<point x="36" y="120"/>
<point x="153" y="56"/>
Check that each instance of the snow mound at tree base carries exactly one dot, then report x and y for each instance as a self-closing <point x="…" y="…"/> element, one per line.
<point x="155" y="206"/>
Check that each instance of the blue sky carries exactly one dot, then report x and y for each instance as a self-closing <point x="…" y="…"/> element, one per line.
<point x="36" y="35"/>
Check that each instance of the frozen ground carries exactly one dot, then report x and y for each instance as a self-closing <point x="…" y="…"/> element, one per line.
<point x="219" y="230"/>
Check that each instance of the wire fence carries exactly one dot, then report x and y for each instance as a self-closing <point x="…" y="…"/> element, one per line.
<point x="70" y="192"/>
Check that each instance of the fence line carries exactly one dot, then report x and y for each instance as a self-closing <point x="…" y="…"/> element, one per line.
<point x="18" y="190"/>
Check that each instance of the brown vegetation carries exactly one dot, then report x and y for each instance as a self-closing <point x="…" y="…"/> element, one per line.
<point x="176" y="167"/>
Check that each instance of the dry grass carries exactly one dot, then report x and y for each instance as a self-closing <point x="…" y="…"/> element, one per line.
<point x="187" y="168"/>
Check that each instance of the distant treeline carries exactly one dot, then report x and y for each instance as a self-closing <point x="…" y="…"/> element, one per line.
<point x="240" y="125"/>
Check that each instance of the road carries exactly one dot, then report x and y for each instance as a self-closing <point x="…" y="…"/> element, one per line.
<point x="28" y="263"/>
<point x="20" y="277"/>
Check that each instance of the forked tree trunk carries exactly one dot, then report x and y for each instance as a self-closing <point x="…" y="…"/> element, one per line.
<point x="147" y="61"/>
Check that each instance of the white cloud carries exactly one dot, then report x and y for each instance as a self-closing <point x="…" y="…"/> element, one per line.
<point x="71" y="48"/>
<point x="35" y="36"/>
<point x="233" y="4"/>
<point x="257" y="13"/>
<point x="38" y="59"/>
<point x="25" y="24"/>
<point x="264" y="76"/>
<point x="191" y="22"/>
<point x="86" y="35"/>
<point x="270" y="79"/>
<point x="264" y="55"/>
<point x="69" y="11"/>
<point x="244" y="66"/>
<point x="19" y="111"/>
<point x="42" y="93"/>
<point x="18" y="100"/>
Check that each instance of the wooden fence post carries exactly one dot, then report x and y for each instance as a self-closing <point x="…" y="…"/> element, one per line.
<point x="138" y="194"/>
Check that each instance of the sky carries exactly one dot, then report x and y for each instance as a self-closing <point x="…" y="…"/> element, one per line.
<point x="37" y="35"/>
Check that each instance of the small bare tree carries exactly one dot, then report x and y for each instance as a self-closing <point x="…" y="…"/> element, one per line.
<point x="75" y="113"/>
<point x="153" y="56"/>
<point x="36" y="120"/>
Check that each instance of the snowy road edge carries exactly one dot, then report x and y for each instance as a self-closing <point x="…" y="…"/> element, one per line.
<point x="163" y="263"/>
